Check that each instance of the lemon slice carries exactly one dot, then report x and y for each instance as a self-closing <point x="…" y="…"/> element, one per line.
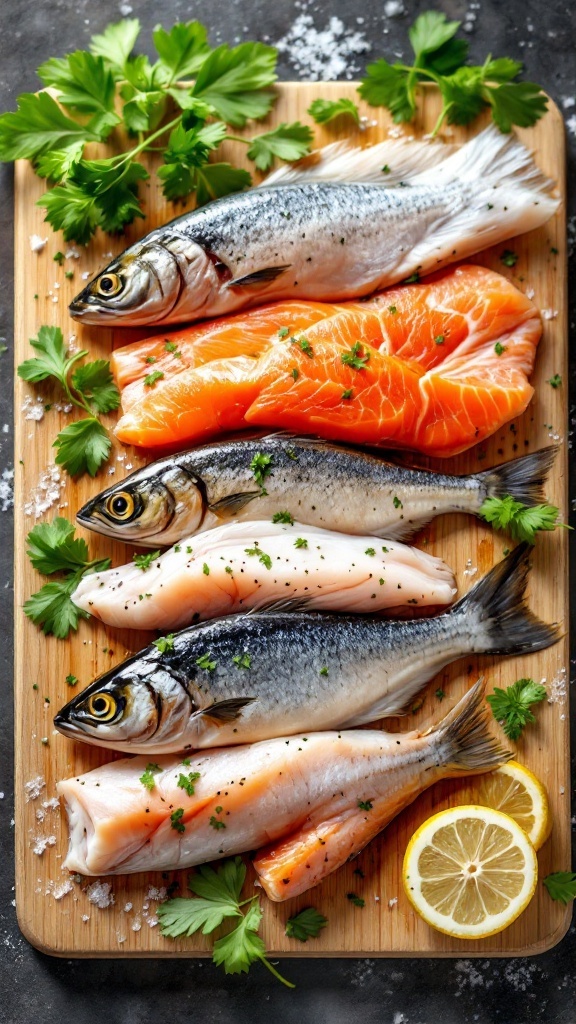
<point x="514" y="790"/>
<point x="470" y="871"/>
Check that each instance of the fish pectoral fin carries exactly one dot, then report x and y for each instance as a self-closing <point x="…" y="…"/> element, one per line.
<point x="233" y="503"/>
<point x="391" y="704"/>
<point x="294" y="864"/>
<point x="259" y="276"/>
<point x="223" y="711"/>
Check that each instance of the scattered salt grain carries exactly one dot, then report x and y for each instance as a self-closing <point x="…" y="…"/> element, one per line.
<point x="549" y="314"/>
<point x="100" y="894"/>
<point x="571" y="124"/>
<point x="322" y="54"/>
<point x="530" y="293"/>
<point x="151" y="920"/>
<point x="393" y="901"/>
<point x="85" y="917"/>
<point x="127" y="907"/>
<point x="46" y="493"/>
<point x="568" y="102"/>
<point x="34" y="787"/>
<point x="41" y="843"/>
<point x="7" y="489"/>
<point x="156" y="893"/>
<point x="557" y="688"/>
<point x="562" y="790"/>
<point x="125" y="10"/>
<point x="5" y="428"/>
<point x="470" y="569"/>
<point x="85" y="275"/>
<point x="37" y="243"/>
<point x="40" y="814"/>
<point x="72" y="254"/>
<point x="33" y="408"/>
<point x="60" y="889"/>
<point x="51" y="805"/>
<point x="394" y="8"/>
<point x="136" y="923"/>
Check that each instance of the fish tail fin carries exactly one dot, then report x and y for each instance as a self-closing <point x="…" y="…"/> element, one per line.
<point x="464" y="737"/>
<point x="496" y="613"/>
<point x="502" y="193"/>
<point x="387" y="163"/>
<point x="523" y="479"/>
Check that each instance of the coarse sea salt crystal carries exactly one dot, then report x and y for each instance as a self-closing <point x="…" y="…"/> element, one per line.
<point x="394" y="8"/>
<point x="530" y="293"/>
<point x="33" y="409"/>
<point x="41" y="843"/>
<point x="85" y="275"/>
<point x="72" y="254"/>
<point x="558" y="688"/>
<point x="549" y="314"/>
<point x="46" y="493"/>
<point x="37" y="243"/>
<point x="100" y="894"/>
<point x="156" y="893"/>
<point x="393" y="901"/>
<point x="34" y="787"/>
<point x="60" y="889"/>
<point x="127" y="907"/>
<point x="7" y="489"/>
<point x="85" y="917"/>
<point x="51" y="805"/>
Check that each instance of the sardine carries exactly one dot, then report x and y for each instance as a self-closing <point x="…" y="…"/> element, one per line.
<point x="251" y="565"/>
<point x="318" y="483"/>
<point x="306" y="803"/>
<point x="251" y="677"/>
<point x="323" y="240"/>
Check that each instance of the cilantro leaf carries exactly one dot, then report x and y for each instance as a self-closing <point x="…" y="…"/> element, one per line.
<point x="183" y="49"/>
<point x="430" y="31"/>
<point x="112" y="187"/>
<point x="144" y="561"/>
<point x="216" y="180"/>
<point x="225" y="882"/>
<point x="40" y="124"/>
<point x="502" y="69"/>
<point x="323" y="111"/>
<point x="58" y="163"/>
<point x="116" y="43"/>
<point x="261" y="466"/>
<point x="181" y="916"/>
<point x="242" y="946"/>
<point x="51" y="607"/>
<point x="516" y="103"/>
<point x="70" y="210"/>
<point x="51" y="359"/>
<point x="186" y="782"/>
<point x="355" y="357"/>
<point x="52" y="547"/>
<point x="96" y="383"/>
<point x="82" y="447"/>
<point x="561" y="885"/>
<point x="83" y="80"/>
<point x="188" y="150"/>
<point x="287" y="141"/>
<point x="234" y="82"/>
<point x="511" y="707"/>
<point x="305" y="925"/>
<point x="388" y="85"/>
<point x="460" y="92"/>
<point x="521" y="521"/>
<point x="164" y="643"/>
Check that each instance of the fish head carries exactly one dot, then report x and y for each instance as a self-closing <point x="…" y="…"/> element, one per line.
<point x="139" y="704"/>
<point x="155" y="505"/>
<point x="146" y="282"/>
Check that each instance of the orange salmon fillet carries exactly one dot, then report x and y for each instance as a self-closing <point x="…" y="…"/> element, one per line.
<point x="436" y="367"/>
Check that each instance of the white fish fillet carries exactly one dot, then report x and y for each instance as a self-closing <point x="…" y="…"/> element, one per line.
<point x="211" y="575"/>
<point x="300" y="794"/>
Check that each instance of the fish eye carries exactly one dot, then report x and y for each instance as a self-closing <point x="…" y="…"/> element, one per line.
<point x="110" y="284"/>
<point x="102" y="706"/>
<point x="120" y="506"/>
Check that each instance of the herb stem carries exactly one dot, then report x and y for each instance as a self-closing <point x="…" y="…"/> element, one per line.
<point x="272" y="969"/>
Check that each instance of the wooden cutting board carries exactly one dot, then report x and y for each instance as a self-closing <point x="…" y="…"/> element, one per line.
<point x="67" y="923"/>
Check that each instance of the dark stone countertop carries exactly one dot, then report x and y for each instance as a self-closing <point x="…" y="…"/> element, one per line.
<point x="37" y="987"/>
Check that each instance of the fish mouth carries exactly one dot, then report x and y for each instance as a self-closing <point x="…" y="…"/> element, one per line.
<point x="64" y="725"/>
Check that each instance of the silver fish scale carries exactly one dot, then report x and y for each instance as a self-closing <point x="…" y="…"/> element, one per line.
<point x="317" y="214"/>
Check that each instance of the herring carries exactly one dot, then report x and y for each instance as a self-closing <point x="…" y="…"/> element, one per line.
<point x="252" y="677"/>
<point x="318" y="483"/>
<point x="313" y="238"/>
<point x="307" y="804"/>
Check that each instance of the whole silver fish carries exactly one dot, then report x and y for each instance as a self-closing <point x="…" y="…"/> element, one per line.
<point x="252" y="677"/>
<point x="316" y="482"/>
<point x="303" y="795"/>
<point x="322" y="240"/>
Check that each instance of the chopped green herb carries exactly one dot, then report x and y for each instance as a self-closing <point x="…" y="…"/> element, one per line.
<point x="261" y="466"/>
<point x="365" y="805"/>
<point x="300" y="542"/>
<point x="553" y="250"/>
<point x="144" y="561"/>
<point x="521" y="521"/>
<point x="355" y="357"/>
<point x="260" y="555"/>
<point x="413" y="279"/>
<point x="370" y="551"/>
<point x="164" y="643"/>
<point x="58" y="258"/>
<point x="499" y="349"/>
<point x="324" y="671"/>
<point x="386" y="169"/>
<point x="555" y="381"/>
<point x="347" y="394"/>
<point x="186" y="782"/>
<point x="147" y="778"/>
<point x="356" y="900"/>
<point x="242" y="660"/>
<point x="176" y="820"/>
<point x="397" y="504"/>
<point x="295" y="373"/>
<point x="304" y="345"/>
<point x="206" y="662"/>
<point x="206" y="569"/>
<point x="169" y="346"/>
<point x="71" y="680"/>
<point x="283" y="332"/>
<point x="216" y="823"/>
<point x="561" y="886"/>
<point x="439" y="693"/>
<point x="68" y="274"/>
<point x="509" y="258"/>
<point x="392" y="309"/>
<point x="151" y="379"/>
<point x="150" y="359"/>
<point x="283" y="517"/>
<point x="439" y="339"/>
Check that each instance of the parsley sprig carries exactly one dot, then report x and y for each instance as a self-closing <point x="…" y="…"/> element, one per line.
<point x="466" y="89"/>
<point x="305" y="925"/>
<point x="83" y="445"/>
<point x="218" y="897"/>
<point x="53" y="548"/>
<point x="511" y="707"/>
<point x="561" y="885"/>
<point x="521" y="521"/>
<point x="182" y="104"/>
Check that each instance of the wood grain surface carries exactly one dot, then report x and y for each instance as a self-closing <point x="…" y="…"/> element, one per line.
<point x="73" y="926"/>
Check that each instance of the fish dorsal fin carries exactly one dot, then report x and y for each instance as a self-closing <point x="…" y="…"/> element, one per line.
<point x="340" y="162"/>
<point x="233" y="503"/>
